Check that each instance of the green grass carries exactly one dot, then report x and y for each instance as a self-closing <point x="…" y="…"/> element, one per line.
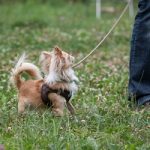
<point x="103" y="118"/>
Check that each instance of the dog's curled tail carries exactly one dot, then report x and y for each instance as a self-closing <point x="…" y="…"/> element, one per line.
<point x="23" y="66"/>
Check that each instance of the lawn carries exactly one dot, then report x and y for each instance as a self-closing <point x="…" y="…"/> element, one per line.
<point x="104" y="119"/>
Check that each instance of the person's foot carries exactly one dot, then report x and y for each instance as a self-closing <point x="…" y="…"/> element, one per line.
<point x="147" y="104"/>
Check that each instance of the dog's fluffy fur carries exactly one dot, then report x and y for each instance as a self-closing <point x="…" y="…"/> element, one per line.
<point x="45" y="59"/>
<point x="60" y="75"/>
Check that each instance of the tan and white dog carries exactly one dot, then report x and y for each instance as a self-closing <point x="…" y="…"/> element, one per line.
<point x="59" y="85"/>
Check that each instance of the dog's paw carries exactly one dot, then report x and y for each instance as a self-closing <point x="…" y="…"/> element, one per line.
<point x="57" y="112"/>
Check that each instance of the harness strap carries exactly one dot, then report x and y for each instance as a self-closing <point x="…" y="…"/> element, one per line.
<point x="45" y="90"/>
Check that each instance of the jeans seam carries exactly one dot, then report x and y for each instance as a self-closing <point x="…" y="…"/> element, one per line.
<point x="135" y="41"/>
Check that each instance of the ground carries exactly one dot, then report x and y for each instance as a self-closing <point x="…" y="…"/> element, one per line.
<point x="104" y="119"/>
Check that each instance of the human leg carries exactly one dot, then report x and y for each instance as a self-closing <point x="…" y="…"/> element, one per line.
<point x="139" y="80"/>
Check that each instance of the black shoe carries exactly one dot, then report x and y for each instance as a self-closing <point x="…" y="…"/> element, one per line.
<point x="147" y="104"/>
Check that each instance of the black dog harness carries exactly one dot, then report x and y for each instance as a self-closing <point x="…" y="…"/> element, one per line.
<point x="45" y="90"/>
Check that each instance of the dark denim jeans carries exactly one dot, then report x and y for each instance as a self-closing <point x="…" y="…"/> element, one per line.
<point x="139" y="80"/>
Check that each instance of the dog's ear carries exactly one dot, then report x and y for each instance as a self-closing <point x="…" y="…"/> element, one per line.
<point x="57" y="51"/>
<point x="46" y="54"/>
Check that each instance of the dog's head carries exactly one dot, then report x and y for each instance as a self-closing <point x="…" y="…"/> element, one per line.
<point x="60" y="65"/>
<point x="62" y="59"/>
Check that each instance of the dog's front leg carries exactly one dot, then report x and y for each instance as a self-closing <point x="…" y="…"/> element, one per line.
<point x="58" y="104"/>
<point x="70" y="108"/>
